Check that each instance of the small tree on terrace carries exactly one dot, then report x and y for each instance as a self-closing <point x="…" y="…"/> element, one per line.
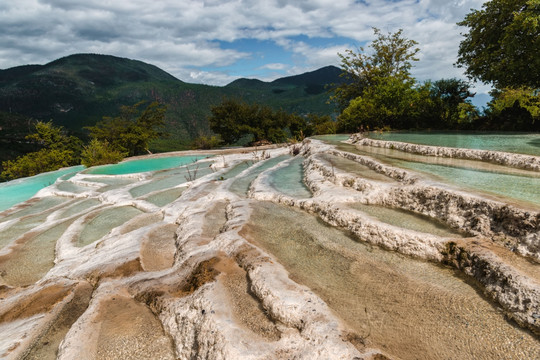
<point x="392" y="56"/>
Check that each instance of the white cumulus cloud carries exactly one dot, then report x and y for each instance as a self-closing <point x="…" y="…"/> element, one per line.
<point x="185" y="37"/>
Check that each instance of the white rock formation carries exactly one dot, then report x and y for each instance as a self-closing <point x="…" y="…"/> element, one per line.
<point x="177" y="279"/>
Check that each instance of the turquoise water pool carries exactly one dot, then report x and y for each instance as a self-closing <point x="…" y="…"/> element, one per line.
<point x="523" y="188"/>
<point x="289" y="179"/>
<point x="142" y="165"/>
<point x="332" y="138"/>
<point x="522" y="143"/>
<point x="481" y="177"/>
<point x="16" y="191"/>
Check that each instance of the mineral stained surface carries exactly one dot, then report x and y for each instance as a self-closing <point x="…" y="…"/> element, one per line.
<point x="315" y="250"/>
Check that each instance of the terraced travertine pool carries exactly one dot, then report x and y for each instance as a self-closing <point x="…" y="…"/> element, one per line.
<point x="324" y="270"/>
<point x="289" y="179"/>
<point x="16" y="191"/>
<point x="143" y="165"/>
<point x="240" y="186"/>
<point x="411" y="308"/>
<point x="521" y="143"/>
<point x="407" y="220"/>
<point x="509" y="184"/>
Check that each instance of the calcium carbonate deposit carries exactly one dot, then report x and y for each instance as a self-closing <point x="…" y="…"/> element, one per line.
<point x="316" y="250"/>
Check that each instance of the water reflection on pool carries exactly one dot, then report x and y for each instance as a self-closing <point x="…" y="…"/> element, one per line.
<point x="523" y="143"/>
<point x="289" y="179"/>
<point x="19" y="190"/>
<point x="16" y="191"/>
<point x="142" y="165"/>
<point x="412" y="309"/>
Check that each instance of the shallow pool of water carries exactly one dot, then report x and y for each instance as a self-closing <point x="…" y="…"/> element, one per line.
<point x="407" y="220"/>
<point x="165" y="197"/>
<point x="213" y="221"/>
<point x="142" y="165"/>
<point x="129" y="330"/>
<point x="289" y="180"/>
<point x="11" y="233"/>
<point x="237" y="169"/>
<point x="523" y="143"/>
<point x="19" y="190"/>
<point x="36" y="206"/>
<point x="107" y="183"/>
<point x="68" y="186"/>
<point x="408" y="308"/>
<point x="508" y="184"/>
<point x="354" y="167"/>
<point x="79" y="207"/>
<point x="47" y="346"/>
<point x="30" y="262"/>
<point x="522" y="188"/>
<point x="105" y="221"/>
<point x="332" y="138"/>
<point x="241" y="185"/>
<point x="160" y="182"/>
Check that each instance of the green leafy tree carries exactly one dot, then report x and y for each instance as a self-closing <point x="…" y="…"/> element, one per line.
<point x="321" y="125"/>
<point x="392" y="102"/>
<point x="300" y="127"/>
<point x="100" y="153"/>
<point x="392" y="56"/>
<point x="503" y="43"/>
<point x="514" y="109"/>
<point x="133" y="129"/>
<point x="58" y="150"/>
<point x="527" y="97"/>
<point x="207" y="142"/>
<point x="447" y="96"/>
<point x="229" y="120"/>
<point x="36" y="162"/>
<point x="234" y="119"/>
<point x="468" y="115"/>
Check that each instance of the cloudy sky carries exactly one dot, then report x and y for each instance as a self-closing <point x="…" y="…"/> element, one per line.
<point x="217" y="41"/>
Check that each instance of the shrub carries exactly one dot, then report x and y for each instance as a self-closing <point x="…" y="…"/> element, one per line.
<point x="36" y="162"/>
<point x="207" y="142"/>
<point x="100" y="153"/>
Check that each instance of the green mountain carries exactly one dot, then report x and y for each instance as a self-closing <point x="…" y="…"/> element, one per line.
<point x="78" y="90"/>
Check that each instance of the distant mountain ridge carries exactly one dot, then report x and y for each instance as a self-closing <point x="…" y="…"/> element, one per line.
<point x="78" y="90"/>
<point x="313" y="82"/>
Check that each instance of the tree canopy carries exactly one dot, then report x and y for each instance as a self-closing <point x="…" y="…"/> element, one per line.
<point x="503" y="43"/>
<point x="100" y="153"/>
<point x="57" y="150"/>
<point x="132" y="130"/>
<point x="514" y="110"/>
<point x="392" y="56"/>
<point x="386" y="95"/>
<point x="392" y="102"/>
<point x="450" y="100"/>
<point x="233" y="119"/>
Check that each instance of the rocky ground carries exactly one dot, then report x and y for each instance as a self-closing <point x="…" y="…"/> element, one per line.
<point x="168" y="265"/>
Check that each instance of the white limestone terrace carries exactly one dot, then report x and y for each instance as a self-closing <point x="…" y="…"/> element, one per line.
<point x="132" y="279"/>
<point x="529" y="162"/>
<point x="516" y="291"/>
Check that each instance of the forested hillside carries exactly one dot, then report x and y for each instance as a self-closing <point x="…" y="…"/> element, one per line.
<point x="78" y="90"/>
